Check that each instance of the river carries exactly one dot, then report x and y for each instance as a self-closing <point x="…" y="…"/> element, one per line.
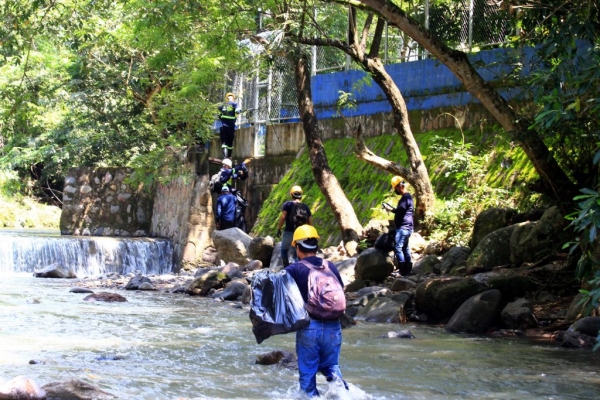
<point x="173" y="346"/>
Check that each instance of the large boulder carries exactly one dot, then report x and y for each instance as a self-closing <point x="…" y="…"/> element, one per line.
<point x="492" y="251"/>
<point x="439" y="298"/>
<point x="532" y="241"/>
<point x="427" y="265"/>
<point x="209" y="279"/>
<point x="380" y="309"/>
<point x="518" y="315"/>
<point x="233" y="290"/>
<point x="477" y="314"/>
<point x="55" y="271"/>
<point x="490" y="220"/>
<point x="136" y="283"/>
<point x="455" y="256"/>
<point x="232" y="245"/>
<point x="373" y="265"/>
<point x="261" y="248"/>
<point x="510" y="283"/>
<point x="346" y="269"/>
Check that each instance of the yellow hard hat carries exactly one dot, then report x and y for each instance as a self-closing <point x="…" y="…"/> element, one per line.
<point x="304" y="232"/>
<point x="296" y="192"/>
<point x="229" y="94"/>
<point x="396" y="180"/>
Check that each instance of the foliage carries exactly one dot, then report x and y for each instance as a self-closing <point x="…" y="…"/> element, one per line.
<point x="99" y="83"/>
<point x="367" y="187"/>
<point x="565" y="81"/>
<point x="586" y="222"/>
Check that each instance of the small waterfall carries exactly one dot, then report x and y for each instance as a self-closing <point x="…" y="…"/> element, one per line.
<point x="26" y="252"/>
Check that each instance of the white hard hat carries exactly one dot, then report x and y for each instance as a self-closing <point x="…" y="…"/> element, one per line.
<point x="227" y="162"/>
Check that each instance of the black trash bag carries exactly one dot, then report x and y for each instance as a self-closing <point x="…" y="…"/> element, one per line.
<point x="277" y="306"/>
<point x="385" y="241"/>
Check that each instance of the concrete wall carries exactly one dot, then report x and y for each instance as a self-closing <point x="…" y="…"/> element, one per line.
<point x="98" y="202"/>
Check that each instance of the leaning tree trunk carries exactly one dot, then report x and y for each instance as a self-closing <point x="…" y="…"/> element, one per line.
<point x="416" y="172"/>
<point x="532" y="144"/>
<point x="328" y="183"/>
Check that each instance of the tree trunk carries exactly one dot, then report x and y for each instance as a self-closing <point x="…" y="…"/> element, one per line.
<point x="416" y="174"/>
<point x="328" y="184"/>
<point x="532" y="144"/>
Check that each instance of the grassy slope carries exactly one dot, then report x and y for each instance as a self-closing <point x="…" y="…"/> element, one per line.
<point x="468" y="174"/>
<point x="24" y="212"/>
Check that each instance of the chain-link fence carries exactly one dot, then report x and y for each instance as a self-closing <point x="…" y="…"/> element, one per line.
<point x="467" y="25"/>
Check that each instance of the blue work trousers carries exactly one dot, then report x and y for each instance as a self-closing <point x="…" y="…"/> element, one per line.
<point x="401" y="249"/>
<point x="318" y="347"/>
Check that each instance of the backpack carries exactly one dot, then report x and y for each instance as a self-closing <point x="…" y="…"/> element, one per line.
<point x="299" y="215"/>
<point x="215" y="184"/>
<point x="326" y="299"/>
<point x="385" y="241"/>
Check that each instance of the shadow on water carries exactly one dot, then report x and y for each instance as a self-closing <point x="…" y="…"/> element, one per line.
<point x="174" y="346"/>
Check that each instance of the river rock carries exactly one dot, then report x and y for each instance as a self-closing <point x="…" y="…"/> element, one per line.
<point x="261" y="248"/>
<point x="106" y="297"/>
<point x="589" y="326"/>
<point x="531" y="241"/>
<point x="403" y="334"/>
<point x="78" y="289"/>
<point x="346" y="269"/>
<point x="21" y="387"/>
<point x="136" y="282"/>
<point x="518" y="315"/>
<point x="232" y="245"/>
<point x="439" y="298"/>
<point x="380" y="309"/>
<point x="282" y="358"/>
<point x="492" y="251"/>
<point x="455" y="256"/>
<point x="210" y="279"/>
<point x="490" y="220"/>
<point x="75" y="389"/>
<point x="55" y="271"/>
<point x="253" y="265"/>
<point x="427" y="265"/>
<point x="477" y="314"/>
<point x="373" y="265"/>
<point x="232" y="291"/>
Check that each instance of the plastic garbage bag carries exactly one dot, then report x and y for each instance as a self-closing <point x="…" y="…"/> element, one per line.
<point x="277" y="306"/>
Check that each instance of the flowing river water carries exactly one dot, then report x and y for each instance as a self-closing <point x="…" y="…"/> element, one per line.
<point x="174" y="346"/>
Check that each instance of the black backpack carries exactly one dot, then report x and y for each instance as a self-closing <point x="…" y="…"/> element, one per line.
<point x="299" y="215"/>
<point x="215" y="184"/>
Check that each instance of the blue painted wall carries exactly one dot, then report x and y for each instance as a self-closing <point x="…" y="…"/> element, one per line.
<point x="425" y="84"/>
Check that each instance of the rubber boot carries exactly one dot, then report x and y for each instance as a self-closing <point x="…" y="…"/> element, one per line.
<point x="225" y="152"/>
<point x="406" y="268"/>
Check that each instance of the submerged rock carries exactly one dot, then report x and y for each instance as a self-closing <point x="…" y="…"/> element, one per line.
<point x="75" y="389"/>
<point x="55" y="271"/>
<point x="106" y="297"/>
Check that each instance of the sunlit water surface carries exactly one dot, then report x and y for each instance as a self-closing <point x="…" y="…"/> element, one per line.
<point x="173" y="346"/>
